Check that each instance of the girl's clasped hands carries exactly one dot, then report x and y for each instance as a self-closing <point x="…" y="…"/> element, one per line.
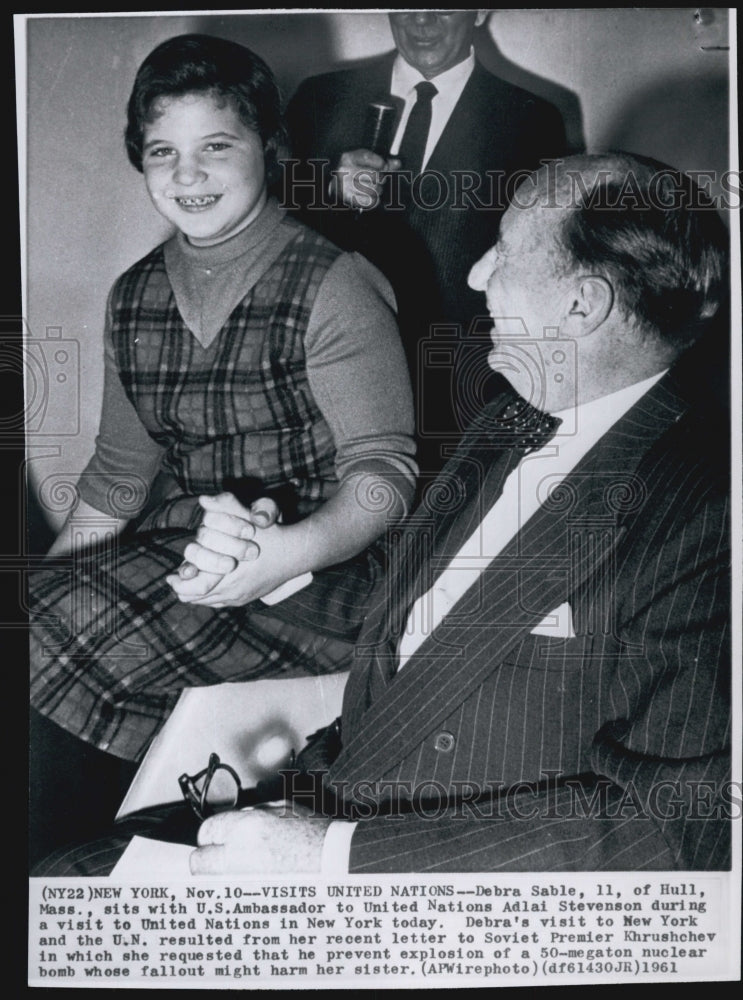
<point x="226" y="565"/>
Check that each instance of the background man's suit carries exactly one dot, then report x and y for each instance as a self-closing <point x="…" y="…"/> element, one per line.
<point x="637" y="703"/>
<point x="495" y="128"/>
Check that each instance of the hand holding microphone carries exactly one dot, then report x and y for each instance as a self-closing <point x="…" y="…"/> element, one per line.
<point x="358" y="179"/>
<point x="379" y="128"/>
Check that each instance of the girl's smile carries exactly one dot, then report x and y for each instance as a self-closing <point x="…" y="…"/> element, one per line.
<point x="194" y="204"/>
<point x="203" y="167"/>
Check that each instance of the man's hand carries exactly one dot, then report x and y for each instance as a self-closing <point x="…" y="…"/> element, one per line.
<point x="274" y="839"/>
<point x="358" y="178"/>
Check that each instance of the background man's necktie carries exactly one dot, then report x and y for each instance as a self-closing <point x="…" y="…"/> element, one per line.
<point x="414" y="139"/>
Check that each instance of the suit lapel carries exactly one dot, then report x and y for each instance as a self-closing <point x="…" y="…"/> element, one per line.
<point x="563" y="544"/>
<point x="343" y="129"/>
<point x="449" y="512"/>
<point x="474" y="124"/>
<point x="378" y="79"/>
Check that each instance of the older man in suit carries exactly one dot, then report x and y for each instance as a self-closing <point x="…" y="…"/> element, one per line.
<point x="425" y="207"/>
<point x="541" y="678"/>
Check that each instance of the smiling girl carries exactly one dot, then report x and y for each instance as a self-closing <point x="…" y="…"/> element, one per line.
<point x="246" y="352"/>
<point x="203" y="168"/>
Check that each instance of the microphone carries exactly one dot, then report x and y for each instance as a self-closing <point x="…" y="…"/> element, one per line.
<point x="378" y="127"/>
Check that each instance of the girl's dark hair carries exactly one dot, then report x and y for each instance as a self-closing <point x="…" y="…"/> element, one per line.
<point x="205" y="64"/>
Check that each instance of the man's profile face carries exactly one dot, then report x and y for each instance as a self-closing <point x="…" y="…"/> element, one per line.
<point x="434" y="41"/>
<point x="527" y="293"/>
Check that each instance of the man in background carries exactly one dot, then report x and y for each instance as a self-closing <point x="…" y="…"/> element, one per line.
<point x="426" y="204"/>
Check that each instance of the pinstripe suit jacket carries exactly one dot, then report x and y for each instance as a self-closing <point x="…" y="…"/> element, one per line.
<point x="503" y="749"/>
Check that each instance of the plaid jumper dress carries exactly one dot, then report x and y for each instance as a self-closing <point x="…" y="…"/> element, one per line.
<point x="111" y="645"/>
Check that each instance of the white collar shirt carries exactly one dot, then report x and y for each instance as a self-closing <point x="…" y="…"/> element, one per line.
<point x="449" y="85"/>
<point x="525" y="490"/>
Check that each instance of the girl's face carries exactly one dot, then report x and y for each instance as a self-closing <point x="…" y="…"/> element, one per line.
<point x="203" y="167"/>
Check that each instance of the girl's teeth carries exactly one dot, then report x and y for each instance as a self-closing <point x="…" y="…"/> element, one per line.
<point x="198" y="202"/>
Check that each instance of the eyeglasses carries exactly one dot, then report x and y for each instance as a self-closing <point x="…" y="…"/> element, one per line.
<point x="217" y="788"/>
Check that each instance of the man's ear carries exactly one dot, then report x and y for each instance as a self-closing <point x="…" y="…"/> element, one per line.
<point x="482" y="16"/>
<point x="591" y="303"/>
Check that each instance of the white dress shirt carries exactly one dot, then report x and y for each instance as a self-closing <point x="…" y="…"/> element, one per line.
<point x="449" y="85"/>
<point x="525" y="490"/>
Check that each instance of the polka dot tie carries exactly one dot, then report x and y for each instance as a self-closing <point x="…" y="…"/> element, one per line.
<point x="531" y="428"/>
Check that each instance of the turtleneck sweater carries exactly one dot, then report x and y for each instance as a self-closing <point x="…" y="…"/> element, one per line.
<point x="208" y="282"/>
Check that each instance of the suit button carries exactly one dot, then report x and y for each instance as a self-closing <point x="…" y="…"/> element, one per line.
<point x="444" y="742"/>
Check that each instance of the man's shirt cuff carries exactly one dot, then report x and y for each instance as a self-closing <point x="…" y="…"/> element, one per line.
<point x="336" y="848"/>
